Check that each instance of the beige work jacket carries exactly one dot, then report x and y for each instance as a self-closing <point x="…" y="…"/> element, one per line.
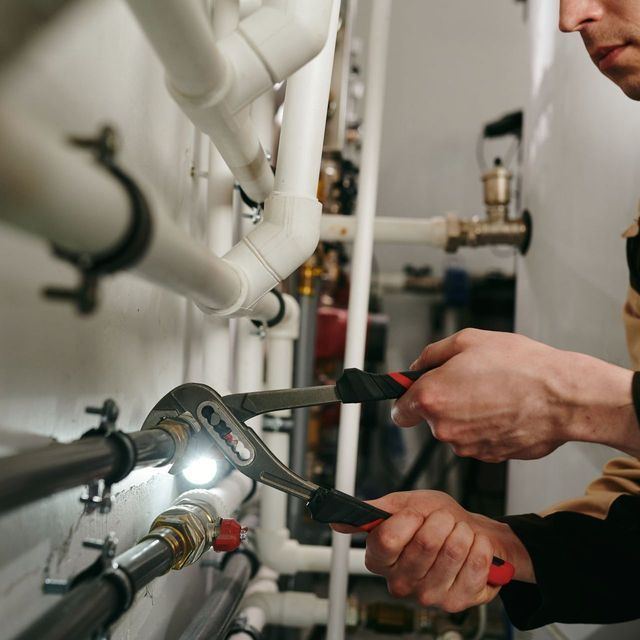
<point x="620" y="475"/>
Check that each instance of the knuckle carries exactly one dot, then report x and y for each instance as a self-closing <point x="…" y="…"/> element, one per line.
<point x="441" y="523"/>
<point x="455" y="604"/>
<point x="428" y="598"/>
<point x="398" y="588"/>
<point x="373" y="566"/>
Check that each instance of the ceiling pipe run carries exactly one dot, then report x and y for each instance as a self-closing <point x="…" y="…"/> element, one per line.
<point x="213" y="81"/>
<point x="45" y="188"/>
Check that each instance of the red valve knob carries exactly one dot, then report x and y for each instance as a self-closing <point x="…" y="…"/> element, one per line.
<point x="230" y="535"/>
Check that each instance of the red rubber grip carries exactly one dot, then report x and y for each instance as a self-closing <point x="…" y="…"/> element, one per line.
<point x="500" y="573"/>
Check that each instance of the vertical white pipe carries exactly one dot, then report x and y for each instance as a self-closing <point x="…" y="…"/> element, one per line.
<point x="359" y="298"/>
<point x="304" y="119"/>
<point x="216" y="344"/>
<point x="273" y="503"/>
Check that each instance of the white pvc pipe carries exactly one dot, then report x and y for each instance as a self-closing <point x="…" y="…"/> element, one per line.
<point x="289" y="608"/>
<point x="199" y="77"/>
<point x="227" y="496"/>
<point x="422" y="231"/>
<point x="57" y="192"/>
<point x="54" y="191"/>
<point x="255" y="617"/>
<point x="359" y="297"/>
<point x="289" y="232"/>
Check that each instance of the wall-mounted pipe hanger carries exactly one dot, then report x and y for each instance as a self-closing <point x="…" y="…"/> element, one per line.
<point x="103" y="455"/>
<point x="177" y="538"/>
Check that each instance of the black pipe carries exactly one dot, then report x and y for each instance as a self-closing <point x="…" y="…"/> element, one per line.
<point x="303" y="377"/>
<point x="41" y="472"/>
<point x="419" y="466"/>
<point x="95" y="604"/>
<point x="218" y="612"/>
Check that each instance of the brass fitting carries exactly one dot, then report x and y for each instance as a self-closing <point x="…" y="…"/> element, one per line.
<point x="190" y="527"/>
<point x="476" y="232"/>
<point x="309" y="273"/>
<point x="497" y="228"/>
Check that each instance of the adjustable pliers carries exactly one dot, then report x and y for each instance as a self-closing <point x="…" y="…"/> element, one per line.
<point x="223" y="419"/>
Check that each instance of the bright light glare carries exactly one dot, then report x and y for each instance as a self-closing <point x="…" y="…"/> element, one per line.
<point x="201" y="471"/>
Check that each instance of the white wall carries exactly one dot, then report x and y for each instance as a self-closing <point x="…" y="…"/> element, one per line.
<point x="581" y="185"/>
<point x="452" y="67"/>
<point x="94" y="66"/>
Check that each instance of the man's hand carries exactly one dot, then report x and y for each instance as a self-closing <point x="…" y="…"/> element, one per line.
<point x="433" y="551"/>
<point x="495" y="396"/>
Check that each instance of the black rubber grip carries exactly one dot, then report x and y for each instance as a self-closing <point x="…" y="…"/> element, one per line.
<point x="333" y="506"/>
<point x="359" y="386"/>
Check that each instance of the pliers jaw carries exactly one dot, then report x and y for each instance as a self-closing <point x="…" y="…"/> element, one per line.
<point x="236" y="441"/>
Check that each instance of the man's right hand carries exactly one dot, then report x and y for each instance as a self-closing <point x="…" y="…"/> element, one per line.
<point x="496" y="396"/>
<point x="433" y="551"/>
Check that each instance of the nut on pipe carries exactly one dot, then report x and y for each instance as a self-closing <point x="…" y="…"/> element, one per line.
<point x="190" y="528"/>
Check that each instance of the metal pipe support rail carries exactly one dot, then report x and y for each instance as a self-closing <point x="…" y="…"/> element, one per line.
<point x="38" y="473"/>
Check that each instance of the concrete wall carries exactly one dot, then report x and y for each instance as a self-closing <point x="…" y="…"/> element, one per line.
<point x="91" y="67"/>
<point x="581" y="170"/>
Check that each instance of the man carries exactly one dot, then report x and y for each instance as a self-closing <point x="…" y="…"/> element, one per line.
<point x="578" y="563"/>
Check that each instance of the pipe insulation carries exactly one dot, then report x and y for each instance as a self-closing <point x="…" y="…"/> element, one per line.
<point x="349" y="429"/>
<point x="37" y="473"/>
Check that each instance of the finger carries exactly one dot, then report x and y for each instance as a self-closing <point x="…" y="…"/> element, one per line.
<point x="420" y="554"/>
<point x="387" y="541"/>
<point x="344" y="528"/>
<point x="437" y="353"/>
<point x="413" y="407"/>
<point x="471" y="583"/>
<point x="449" y="562"/>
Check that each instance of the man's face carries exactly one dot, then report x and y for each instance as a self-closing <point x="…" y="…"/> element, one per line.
<point x="610" y="30"/>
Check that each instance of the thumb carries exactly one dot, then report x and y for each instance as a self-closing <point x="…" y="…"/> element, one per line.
<point x="391" y="503"/>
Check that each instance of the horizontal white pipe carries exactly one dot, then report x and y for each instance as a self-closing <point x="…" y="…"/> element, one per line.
<point x="284" y="555"/>
<point x="423" y="231"/>
<point x="57" y="192"/>
<point x="290" y="608"/>
<point x="227" y="496"/>
<point x="53" y="191"/>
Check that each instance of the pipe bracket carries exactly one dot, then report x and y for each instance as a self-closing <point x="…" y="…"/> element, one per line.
<point x="127" y="252"/>
<point x="98" y="494"/>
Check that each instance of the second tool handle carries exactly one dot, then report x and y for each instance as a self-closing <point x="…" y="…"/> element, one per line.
<point x="359" y="386"/>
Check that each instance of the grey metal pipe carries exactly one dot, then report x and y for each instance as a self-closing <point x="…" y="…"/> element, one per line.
<point x="303" y="377"/>
<point x="218" y="612"/>
<point x="98" y="602"/>
<point x="41" y="472"/>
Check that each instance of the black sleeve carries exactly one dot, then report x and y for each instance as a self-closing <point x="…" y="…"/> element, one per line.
<point x="586" y="569"/>
<point x="633" y="261"/>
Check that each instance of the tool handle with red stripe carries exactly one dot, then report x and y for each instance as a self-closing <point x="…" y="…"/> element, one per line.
<point x="333" y="506"/>
<point x="359" y="386"/>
